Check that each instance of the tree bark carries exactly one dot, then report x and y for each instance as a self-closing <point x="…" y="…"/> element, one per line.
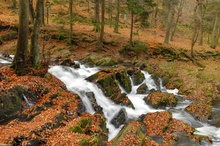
<point x="96" y="20"/>
<point x="20" y="58"/>
<point x="201" y="22"/>
<point x="100" y="42"/>
<point x="117" y="16"/>
<point x="35" y="48"/>
<point x="169" y="23"/>
<point x="179" y="13"/>
<point x="195" y="31"/>
<point x="131" y="30"/>
<point x="215" y="33"/>
<point x="31" y="11"/>
<point x="71" y="23"/>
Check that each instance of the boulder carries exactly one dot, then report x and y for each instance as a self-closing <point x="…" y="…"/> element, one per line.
<point x="137" y="77"/>
<point x="119" y="118"/>
<point x="143" y="89"/>
<point x="200" y="111"/>
<point x="93" y="102"/>
<point x="108" y="79"/>
<point x="160" y="99"/>
<point x="131" y="134"/>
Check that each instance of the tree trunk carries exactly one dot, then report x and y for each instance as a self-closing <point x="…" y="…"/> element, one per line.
<point x="19" y="62"/>
<point x="179" y="13"/>
<point x="71" y="23"/>
<point x="201" y="22"/>
<point x="35" y="48"/>
<point x="131" y="30"/>
<point x="195" y="32"/>
<point x="100" y="42"/>
<point x="169" y="23"/>
<point x="215" y="33"/>
<point x="110" y="11"/>
<point x="43" y="22"/>
<point x="117" y="16"/>
<point x="31" y="11"/>
<point x="96" y="20"/>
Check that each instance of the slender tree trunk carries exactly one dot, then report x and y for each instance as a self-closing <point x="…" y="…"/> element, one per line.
<point x="96" y="20"/>
<point x="19" y="62"/>
<point x="201" y="23"/>
<point x="110" y="11"/>
<point x="179" y="13"/>
<point x="131" y="30"/>
<point x="117" y="16"/>
<point x="100" y="42"/>
<point x="215" y="33"/>
<point x="35" y="48"/>
<point x="71" y="23"/>
<point x="43" y="20"/>
<point x="31" y="11"/>
<point x="169" y="23"/>
<point x="195" y="32"/>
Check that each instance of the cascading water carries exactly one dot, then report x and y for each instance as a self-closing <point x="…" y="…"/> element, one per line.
<point x="75" y="82"/>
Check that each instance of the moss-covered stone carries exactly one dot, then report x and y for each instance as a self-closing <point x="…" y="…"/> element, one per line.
<point x="200" y="111"/>
<point x="143" y="89"/>
<point x="161" y="99"/>
<point x="11" y="102"/>
<point x="108" y="80"/>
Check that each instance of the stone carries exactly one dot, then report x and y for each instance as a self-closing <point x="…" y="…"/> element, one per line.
<point x="93" y="102"/>
<point x="120" y="118"/>
<point x="160" y="99"/>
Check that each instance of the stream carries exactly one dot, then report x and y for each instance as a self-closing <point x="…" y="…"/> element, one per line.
<point x="74" y="79"/>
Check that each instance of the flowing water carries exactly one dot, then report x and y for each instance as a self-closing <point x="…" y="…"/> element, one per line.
<point x="76" y="83"/>
<point x="74" y="79"/>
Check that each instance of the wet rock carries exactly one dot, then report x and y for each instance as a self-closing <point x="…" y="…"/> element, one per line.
<point x="81" y="107"/>
<point x="160" y="99"/>
<point x="157" y="123"/>
<point x="131" y="134"/>
<point x="35" y="142"/>
<point x="93" y="102"/>
<point x="70" y="63"/>
<point x="143" y="89"/>
<point x="184" y="139"/>
<point x="11" y="102"/>
<point x="106" y="79"/>
<point x="18" y="140"/>
<point x="96" y="60"/>
<point x="120" y="118"/>
<point x="137" y="77"/>
<point x="200" y="111"/>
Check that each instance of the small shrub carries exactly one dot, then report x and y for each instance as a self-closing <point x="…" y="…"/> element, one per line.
<point x="76" y="129"/>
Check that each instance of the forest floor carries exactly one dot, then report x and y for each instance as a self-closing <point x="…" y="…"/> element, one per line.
<point x="200" y="83"/>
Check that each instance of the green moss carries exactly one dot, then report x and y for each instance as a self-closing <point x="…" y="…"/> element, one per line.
<point x="76" y="129"/>
<point x="83" y="122"/>
<point x="83" y="142"/>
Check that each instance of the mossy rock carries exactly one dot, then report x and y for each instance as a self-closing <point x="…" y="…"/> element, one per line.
<point x="137" y="77"/>
<point x="130" y="133"/>
<point x="96" y="60"/>
<point x="76" y="129"/>
<point x="200" y="111"/>
<point x="108" y="79"/>
<point x="143" y="89"/>
<point x="160" y="99"/>
<point x="11" y="102"/>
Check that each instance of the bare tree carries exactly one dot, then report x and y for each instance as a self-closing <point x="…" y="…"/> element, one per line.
<point x="20" y="58"/>
<point x="169" y="22"/>
<point x="35" y="48"/>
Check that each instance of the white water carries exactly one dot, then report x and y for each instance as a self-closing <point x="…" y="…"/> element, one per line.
<point x="28" y="104"/>
<point x="75" y="82"/>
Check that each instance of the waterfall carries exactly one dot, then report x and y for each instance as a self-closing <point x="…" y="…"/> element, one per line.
<point x="28" y="104"/>
<point x="76" y="83"/>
